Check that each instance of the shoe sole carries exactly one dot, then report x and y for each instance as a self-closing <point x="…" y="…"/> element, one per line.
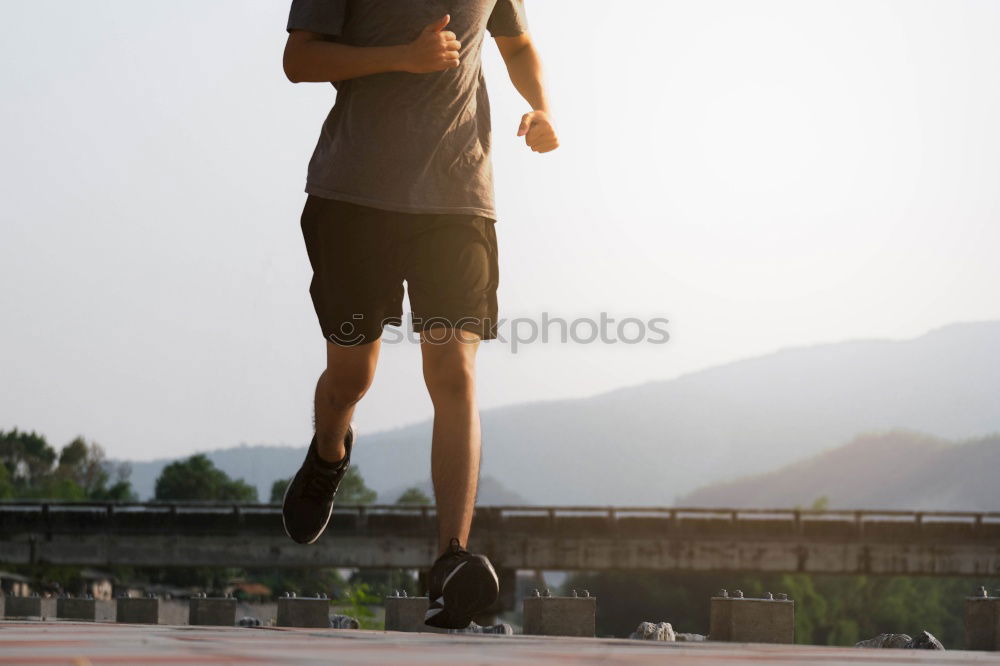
<point x="470" y="589"/>
<point x="284" y="525"/>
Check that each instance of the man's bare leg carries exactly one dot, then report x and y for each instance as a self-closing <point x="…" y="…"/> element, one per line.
<point x="308" y="501"/>
<point x="449" y="358"/>
<point x="348" y="375"/>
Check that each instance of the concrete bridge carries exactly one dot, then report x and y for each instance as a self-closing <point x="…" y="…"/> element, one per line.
<point x="551" y="538"/>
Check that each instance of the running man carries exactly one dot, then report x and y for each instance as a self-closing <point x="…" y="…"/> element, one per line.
<point x="400" y="188"/>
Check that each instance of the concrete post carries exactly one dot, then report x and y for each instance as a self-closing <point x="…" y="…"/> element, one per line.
<point x="560" y="616"/>
<point x="982" y="621"/>
<point x="736" y="619"/>
<point x="30" y="608"/>
<point x="139" y="610"/>
<point x="212" y="611"/>
<point x="304" y="611"/>
<point x="407" y="614"/>
<point x="86" y="609"/>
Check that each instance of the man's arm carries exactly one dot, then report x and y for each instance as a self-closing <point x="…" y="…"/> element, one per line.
<point x="310" y="56"/>
<point x="525" y="69"/>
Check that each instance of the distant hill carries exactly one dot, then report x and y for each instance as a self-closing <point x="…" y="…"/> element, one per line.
<point x="653" y="443"/>
<point x="897" y="470"/>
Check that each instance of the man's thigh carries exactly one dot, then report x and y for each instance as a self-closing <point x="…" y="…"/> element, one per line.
<point x="452" y="274"/>
<point x="357" y="284"/>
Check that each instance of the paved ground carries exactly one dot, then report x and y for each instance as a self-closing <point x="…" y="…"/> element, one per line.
<point x="85" y="644"/>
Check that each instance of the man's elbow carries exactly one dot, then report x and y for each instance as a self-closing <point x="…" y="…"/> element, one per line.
<point x="293" y="72"/>
<point x="301" y="60"/>
<point x="296" y="54"/>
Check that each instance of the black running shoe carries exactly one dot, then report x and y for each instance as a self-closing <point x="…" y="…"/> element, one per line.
<point x="308" y="502"/>
<point x="461" y="585"/>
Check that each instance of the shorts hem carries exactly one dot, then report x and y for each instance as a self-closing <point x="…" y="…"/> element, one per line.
<point x="484" y="325"/>
<point x="325" y="193"/>
<point x="360" y="338"/>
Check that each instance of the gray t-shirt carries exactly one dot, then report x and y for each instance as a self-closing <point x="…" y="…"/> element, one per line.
<point x="414" y="143"/>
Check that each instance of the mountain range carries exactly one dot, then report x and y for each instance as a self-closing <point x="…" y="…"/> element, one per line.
<point x="658" y="442"/>
<point x="894" y="470"/>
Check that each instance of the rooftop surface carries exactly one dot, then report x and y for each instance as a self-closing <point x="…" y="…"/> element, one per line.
<point x="90" y="644"/>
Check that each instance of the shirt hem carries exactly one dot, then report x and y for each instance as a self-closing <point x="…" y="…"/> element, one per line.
<point x="399" y="208"/>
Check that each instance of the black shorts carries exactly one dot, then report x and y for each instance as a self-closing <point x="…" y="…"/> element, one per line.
<point x="360" y="257"/>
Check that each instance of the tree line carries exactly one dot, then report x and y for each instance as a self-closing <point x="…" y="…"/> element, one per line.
<point x="30" y="468"/>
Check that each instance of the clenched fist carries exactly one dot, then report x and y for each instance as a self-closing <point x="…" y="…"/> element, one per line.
<point x="435" y="50"/>
<point x="538" y="132"/>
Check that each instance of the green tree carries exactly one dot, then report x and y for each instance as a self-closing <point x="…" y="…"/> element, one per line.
<point x="82" y="473"/>
<point x="197" y="478"/>
<point x="26" y="455"/>
<point x="353" y="489"/>
<point x="6" y="486"/>
<point x="821" y="503"/>
<point x="52" y="487"/>
<point x="74" y="453"/>
<point x="85" y="465"/>
<point x="413" y="495"/>
<point x="119" y="491"/>
<point x="357" y="601"/>
<point x="383" y="582"/>
<point x="278" y="490"/>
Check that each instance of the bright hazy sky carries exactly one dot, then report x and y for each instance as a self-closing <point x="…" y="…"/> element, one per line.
<point x="762" y="173"/>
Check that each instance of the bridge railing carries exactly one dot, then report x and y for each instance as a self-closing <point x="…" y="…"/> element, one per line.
<point x="564" y="521"/>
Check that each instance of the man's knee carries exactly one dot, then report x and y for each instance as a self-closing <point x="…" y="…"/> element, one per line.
<point x="349" y="373"/>
<point x="345" y="389"/>
<point x="450" y="376"/>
